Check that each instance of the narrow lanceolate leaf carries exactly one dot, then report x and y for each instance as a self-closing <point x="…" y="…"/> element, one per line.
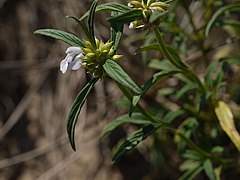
<point x="170" y="116"/>
<point x="185" y="89"/>
<point x="75" y="110"/>
<point x="118" y="74"/>
<point x="219" y="12"/>
<point x="91" y="20"/>
<point x="84" y="28"/>
<point x="112" y="6"/>
<point x="116" y="32"/>
<point x="134" y="140"/>
<point x="127" y="17"/>
<point x="137" y="118"/>
<point x="172" y="51"/>
<point x="225" y="117"/>
<point x="208" y="168"/>
<point x="68" y="38"/>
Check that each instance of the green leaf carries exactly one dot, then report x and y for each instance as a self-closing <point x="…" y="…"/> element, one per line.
<point x="149" y="83"/>
<point x="84" y="27"/>
<point x="185" y="89"/>
<point x="191" y="173"/>
<point x="112" y="6"/>
<point x="76" y="108"/>
<point x="230" y="22"/>
<point x="127" y="17"/>
<point x="137" y="118"/>
<point x="68" y="38"/>
<point x="208" y="168"/>
<point x="217" y="172"/>
<point x="176" y="57"/>
<point x="231" y="7"/>
<point x="186" y="128"/>
<point x="214" y="76"/>
<point x="172" y="51"/>
<point x="91" y="21"/>
<point x="134" y="139"/>
<point x="116" y="32"/>
<point x="118" y="74"/>
<point x="170" y="116"/>
<point x="164" y="65"/>
<point x="193" y="155"/>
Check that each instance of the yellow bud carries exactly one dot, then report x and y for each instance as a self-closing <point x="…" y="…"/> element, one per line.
<point x="160" y="5"/>
<point x="111" y="51"/>
<point x="106" y="47"/>
<point x="136" y="4"/>
<point x="87" y="50"/>
<point x="116" y="57"/>
<point x="97" y="42"/>
<point x="90" y="55"/>
<point x="88" y="45"/>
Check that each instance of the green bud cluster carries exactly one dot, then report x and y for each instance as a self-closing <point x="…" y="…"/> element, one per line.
<point x="95" y="56"/>
<point x="147" y="7"/>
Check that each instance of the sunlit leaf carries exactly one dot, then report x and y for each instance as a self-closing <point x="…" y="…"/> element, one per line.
<point x="225" y="117"/>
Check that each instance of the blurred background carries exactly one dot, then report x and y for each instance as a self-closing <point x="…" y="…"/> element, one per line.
<point x="35" y="99"/>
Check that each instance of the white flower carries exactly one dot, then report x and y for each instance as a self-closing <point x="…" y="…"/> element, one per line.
<point x="73" y="59"/>
<point x="129" y="5"/>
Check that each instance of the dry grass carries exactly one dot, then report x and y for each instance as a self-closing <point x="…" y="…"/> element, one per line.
<point x="35" y="98"/>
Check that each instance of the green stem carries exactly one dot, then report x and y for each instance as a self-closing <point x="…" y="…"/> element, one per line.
<point x="138" y="106"/>
<point x="179" y="64"/>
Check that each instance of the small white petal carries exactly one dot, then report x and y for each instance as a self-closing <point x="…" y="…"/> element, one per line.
<point x="76" y="64"/>
<point x="63" y="66"/>
<point x="129" y="5"/>
<point x="140" y="26"/>
<point x="131" y="26"/>
<point x="69" y="58"/>
<point x="73" y="50"/>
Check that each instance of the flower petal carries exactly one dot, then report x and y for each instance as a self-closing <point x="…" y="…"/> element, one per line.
<point x="73" y="50"/>
<point x="76" y="64"/>
<point x="63" y="66"/>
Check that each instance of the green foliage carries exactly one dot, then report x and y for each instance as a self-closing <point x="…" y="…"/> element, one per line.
<point x="68" y="38"/>
<point x="118" y="74"/>
<point x="136" y="118"/>
<point x="231" y="7"/>
<point x="76" y="108"/>
<point x="191" y="109"/>
<point x="126" y="17"/>
<point x="134" y="139"/>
